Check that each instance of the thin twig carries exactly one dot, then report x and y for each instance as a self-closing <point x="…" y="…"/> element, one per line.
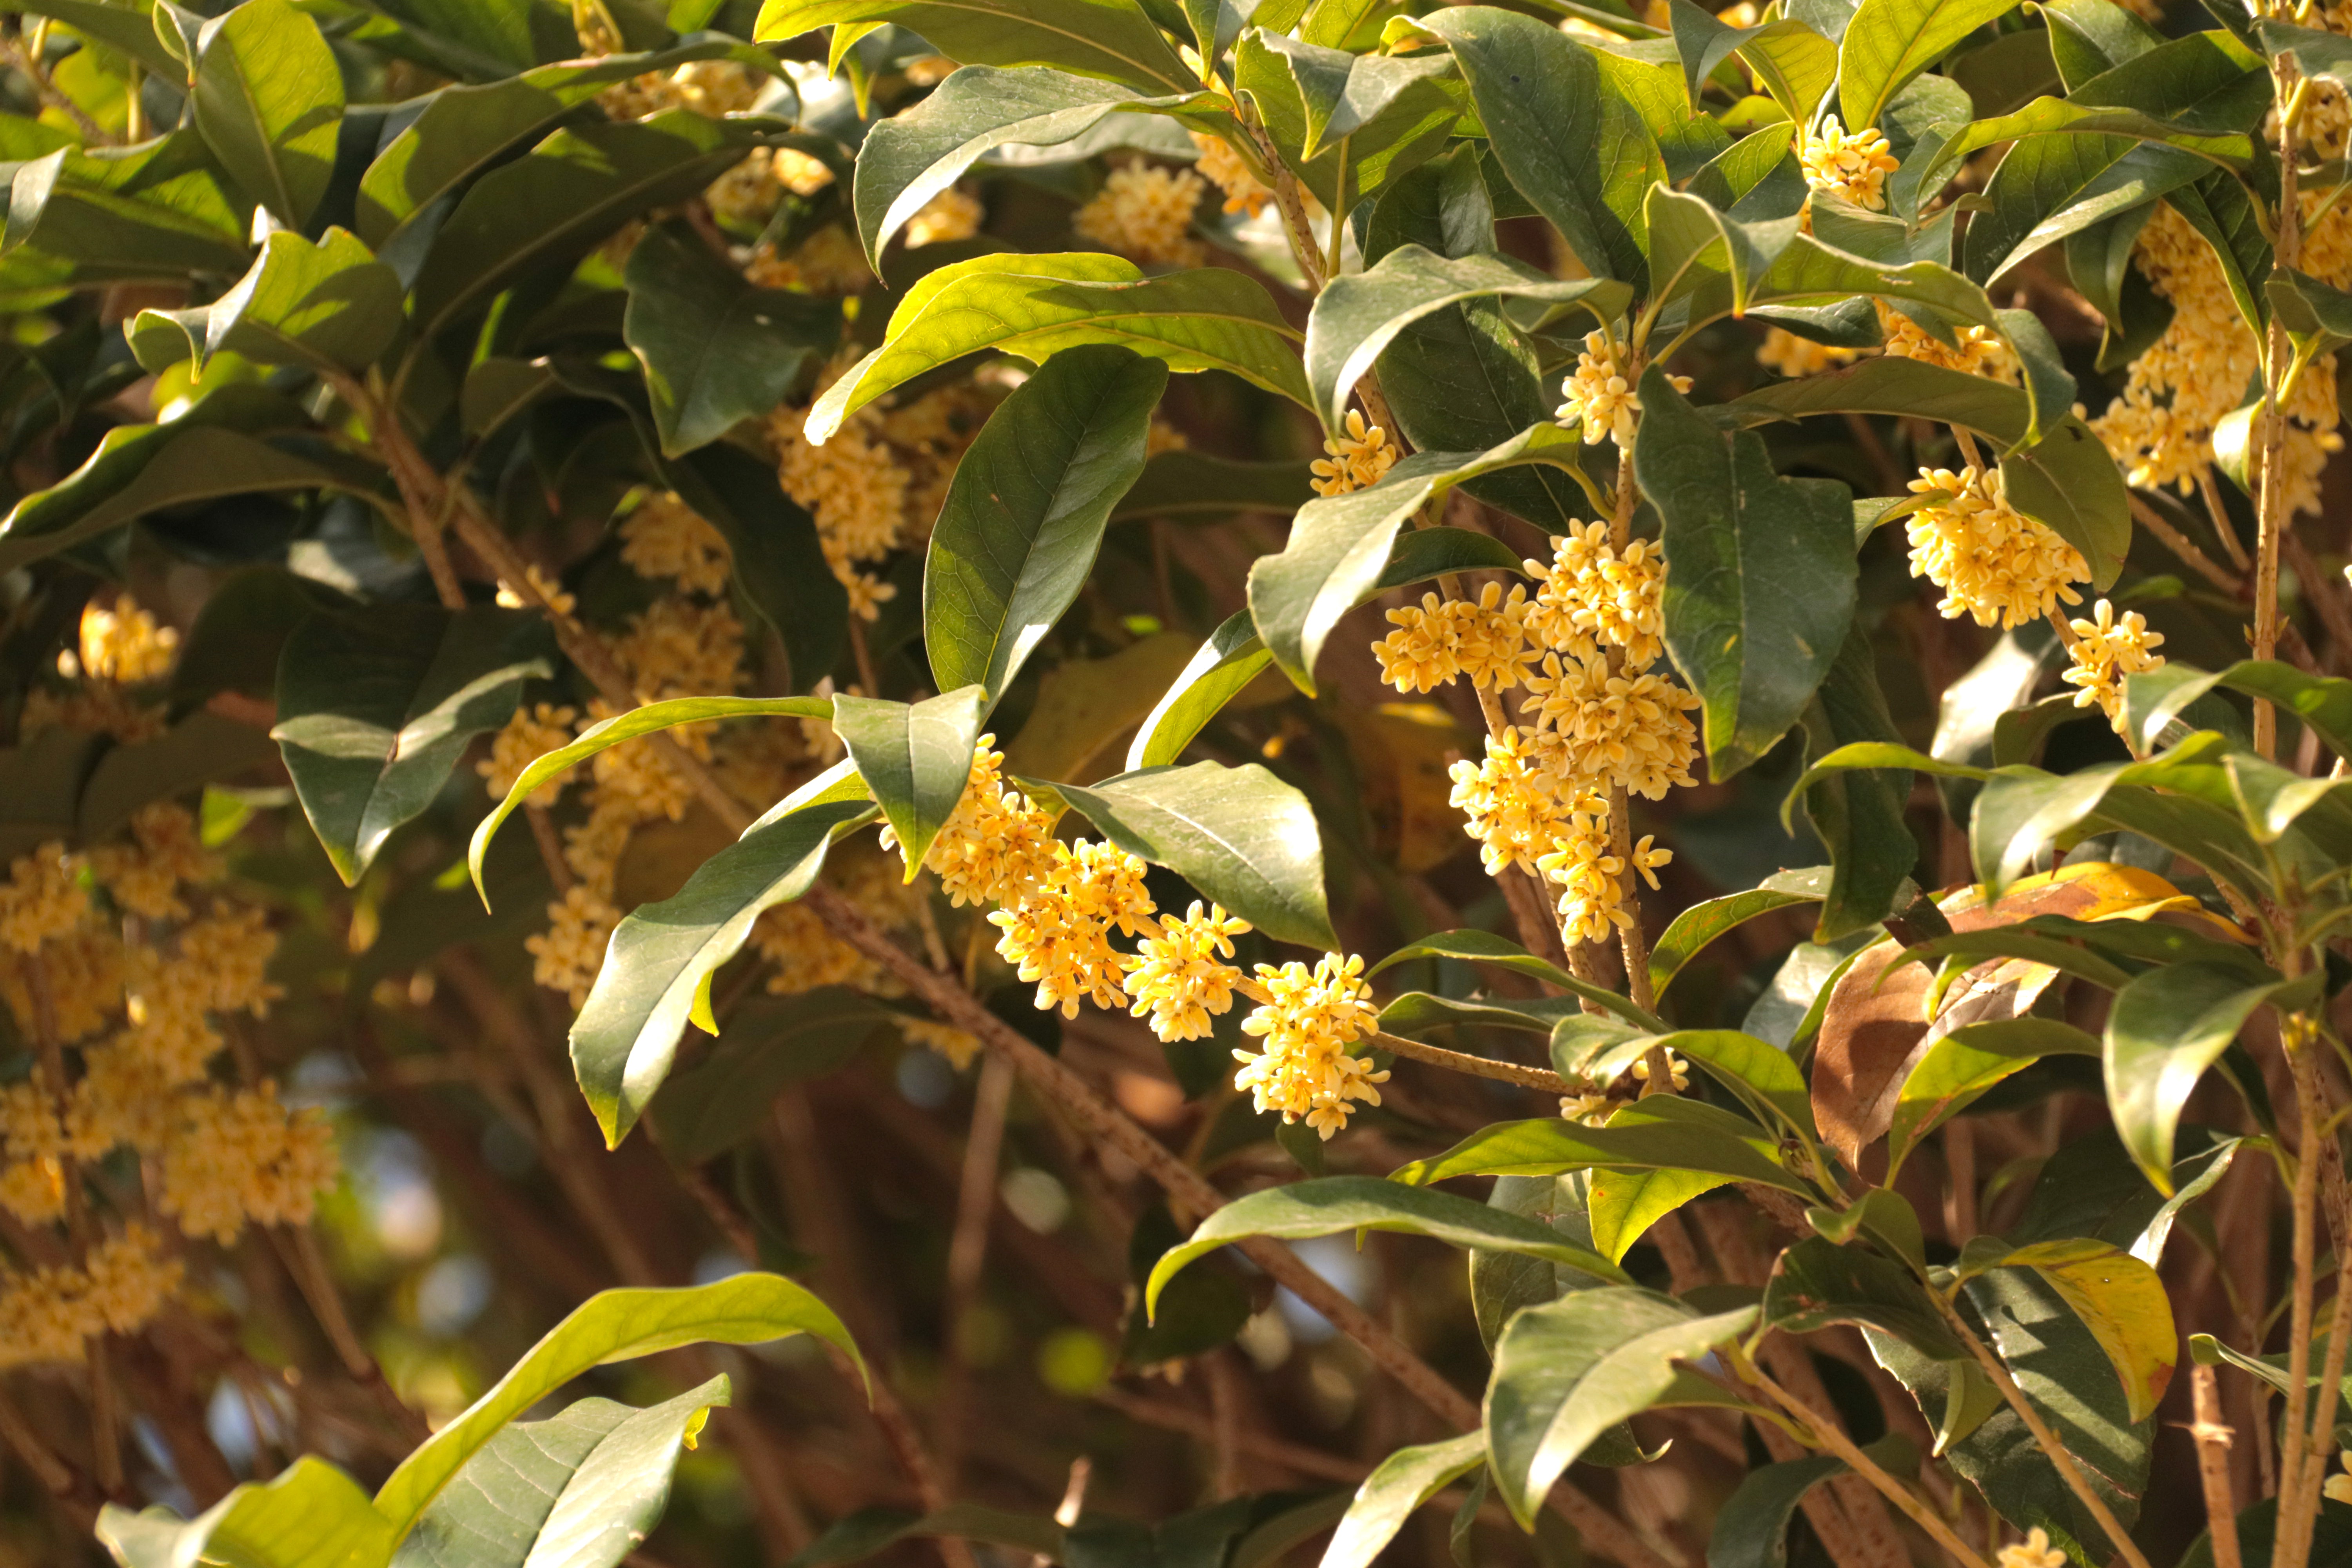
<point x="1830" y="1436"/>
<point x="967" y="1253"/>
<point x="2172" y="539"/>
<point x="1537" y="1079"/>
<point x="2213" y="1467"/>
<point x="2220" y="516"/>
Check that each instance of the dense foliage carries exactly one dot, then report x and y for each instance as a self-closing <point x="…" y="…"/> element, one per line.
<point x="1128" y="672"/>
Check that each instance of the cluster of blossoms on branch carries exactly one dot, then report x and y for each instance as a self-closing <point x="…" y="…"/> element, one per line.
<point x="121" y="966"/>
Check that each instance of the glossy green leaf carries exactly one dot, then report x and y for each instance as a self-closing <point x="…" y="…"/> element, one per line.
<point x="658" y="964"/>
<point x="2118" y="1298"/>
<point x="199" y="455"/>
<point x="1759" y="1073"/>
<point x="1398" y="1486"/>
<point x="1026" y="511"/>
<point x="2092" y="1187"/>
<point x="1347" y="126"/>
<point x="1338" y="545"/>
<point x="1359" y="315"/>
<point x="1415" y="1013"/>
<point x="153" y="213"/>
<point x="1884" y="1215"/>
<point x="2089" y="37"/>
<point x="916" y="760"/>
<point x="1817" y="1283"/>
<point x="1791" y="61"/>
<point x="331" y="305"/>
<point x="376" y="705"/>
<point x="1486" y="947"/>
<point x="1624" y="1204"/>
<point x="268" y="100"/>
<point x="1113" y="39"/>
<point x="463" y="130"/>
<point x="561" y="199"/>
<point x="914" y="155"/>
<point x="123" y="27"/>
<point x="1241" y="836"/>
<point x="1224" y="665"/>
<point x="1211" y="318"/>
<point x="1889" y="42"/>
<point x="1566" y="1372"/>
<point x="1663" y="1133"/>
<point x="2316" y="52"/>
<point x="651" y="718"/>
<point x="1961" y="1066"/>
<point x="2230" y="149"/>
<point x="312" y="1515"/>
<point x="1751" y="1528"/>
<point x="778" y="563"/>
<point x="1858" y="815"/>
<point x="1331" y="1205"/>
<point x="2151" y="700"/>
<point x="582" y="1488"/>
<point x="2164" y="1029"/>
<point x="2066" y="480"/>
<point x="715" y="349"/>
<point x="613" y="1325"/>
<point x="1762" y="587"/>
<point x="1570" y="142"/>
<point x="1700" y="924"/>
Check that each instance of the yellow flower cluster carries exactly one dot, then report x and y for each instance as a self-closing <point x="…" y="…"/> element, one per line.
<point x="1995" y="564"/>
<point x="1592" y="596"/>
<point x="43" y="899"/>
<point x="1145" y="212"/>
<point x="1978" y="351"/>
<point x="1783" y="353"/>
<point x="1514" y="804"/>
<point x="49" y="1314"/>
<point x="1354" y="459"/>
<point x="119" y="648"/>
<point x="1591" y="876"/>
<point x="2197" y="373"/>
<point x="1600" y="396"/>
<point x="2108" y="647"/>
<point x="1057" y="934"/>
<point x="952" y="215"/>
<point x="663" y="537"/>
<point x="828" y="262"/>
<point x="1307" y="1021"/>
<point x="1484" y="639"/>
<point x="1223" y="167"/>
<point x="803" y="951"/>
<point x="1611" y="730"/>
<point x="240" y="1156"/>
<point x="124" y="643"/>
<point x="995" y="845"/>
<point x="530" y="734"/>
<point x="1176" y="978"/>
<point x="1851" y="165"/>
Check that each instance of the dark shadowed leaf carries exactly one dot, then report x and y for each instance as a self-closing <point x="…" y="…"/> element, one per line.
<point x="1113" y="39"/>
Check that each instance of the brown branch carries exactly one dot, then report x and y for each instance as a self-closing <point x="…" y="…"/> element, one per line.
<point x="2172" y="539"/>
<point x="1537" y="1079"/>
<point x="1833" y="1437"/>
<point x="967" y="1253"/>
<point x="2213" y="1467"/>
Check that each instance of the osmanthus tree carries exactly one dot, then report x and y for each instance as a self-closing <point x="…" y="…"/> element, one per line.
<point x="813" y="460"/>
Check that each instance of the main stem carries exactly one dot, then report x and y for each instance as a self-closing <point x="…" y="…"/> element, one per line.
<point x="2271" y="508"/>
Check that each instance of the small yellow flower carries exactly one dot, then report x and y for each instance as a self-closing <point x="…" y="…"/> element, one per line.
<point x="664" y="537"/>
<point x="952" y="215"/>
<point x="1592" y="1108"/>
<point x="1853" y="165"/>
<point x="1783" y="353"/>
<point x="1355" y="458"/>
<point x="1310" y="1019"/>
<point x="1058" y="936"/>
<point x="125" y="644"/>
<point x="1978" y="351"/>
<point x="1145" y="212"/>
<point x="1995" y="564"/>
<point x="995" y="845"/>
<point x="1677" y="1069"/>
<point x="543" y="589"/>
<point x="1512" y="802"/>
<point x="1176" y="977"/>
<point x="530" y="734"/>
<point x="1591" y="597"/>
<point x="1244" y="193"/>
<point x="1598" y="395"/>
<point x="42" y="899"/>
<point x="1601" y="731"/>
<point x="2106" y="649"/>
<point x="2033" y="1551"/>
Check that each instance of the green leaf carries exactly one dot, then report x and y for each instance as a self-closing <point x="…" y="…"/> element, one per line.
<point x="584" y="1488"/>
<point x="914" y="155"/>
<point x="2153" y="699"/>
<point x="764" y="1044"/>
<point x="1331" y="1205"/>
<point x="2066" y="480"/>
<point x="1961" y="1066"/>
<point x="2088" y="36"/>
<point x="1889" y="42"/>
<point x="1189" y="486"/>
<point x="126" y="28"/>
<point x="1759" y="1074"/>
<point x="1762" y="584"/>
<point x="1341" y="94"/>
<point x="1566" y="1372"/>
<point x="465" y="130"/>
<point x="1566" y="135"/>
<point x="153" y="213"/>
<point x="269" y="99"/>
<point x="1817" y="1283"/>
<point x="561" y="199"/>
<point x="1663" y="1133"/>
<point x="1486" y="947"/>
<point x="1751" y="1528"/>
<point x="1349" y="126"/>
<point x="1025" y="512"/>
<point x="1225" y="664"/>
<point x="1703" y="923"/>
<point x="2230" y="149"/>
<point x="1859" y="816"/>
<point x="1241" y="836"/>
<point x="916" y="760"/>
<point x="2315" y="53"/>
<point x="329" y="306"/>
<point x="142" y="468"/>
<point x="1624" y="1204"/>
<point x="1113" y="39"/>
<point x="648" y="719"/>
<point x="613" y="1325"/>
<point x="2167" y="1026"/>
<point x="2118" y="1298"/>
<point x="1791" y="61"/>
<point x="311" y="1516"/>
<point x="376" y="705"/>
<point x="1340" y="544"/>
<point x="1398" y="1486"/>
<point x="1463" y="377"/>
<point x="201" y="749"/>
<point x="658" y="967"/>
<point x="779" y="561"/>
<point x="1359" y="315"/>
<point x="715" y="349"/>
<point x="1211" y="318"/>
<point x="2093" y="1187"/>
